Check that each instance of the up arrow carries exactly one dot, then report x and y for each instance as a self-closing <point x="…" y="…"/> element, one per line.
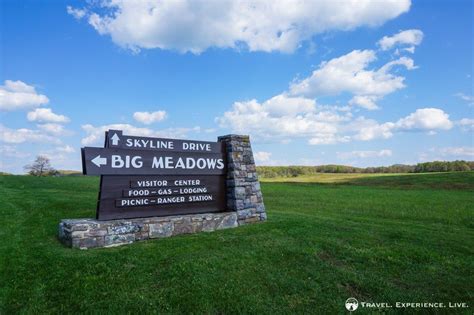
<point x="99" y="161"/>
<point x="115" y="139"/>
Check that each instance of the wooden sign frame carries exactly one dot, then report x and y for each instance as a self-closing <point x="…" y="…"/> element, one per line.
<point x="164" y="191"/>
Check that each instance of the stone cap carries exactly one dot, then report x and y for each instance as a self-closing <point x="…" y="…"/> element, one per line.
<point x="234" y="137"/>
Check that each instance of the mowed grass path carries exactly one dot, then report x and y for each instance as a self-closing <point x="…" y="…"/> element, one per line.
<point x="380" y="239"/>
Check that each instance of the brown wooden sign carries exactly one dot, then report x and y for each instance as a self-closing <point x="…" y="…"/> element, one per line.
<point x="143" y="176"/>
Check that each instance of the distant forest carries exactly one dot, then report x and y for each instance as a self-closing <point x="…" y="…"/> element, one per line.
<point x="436" y="166"/>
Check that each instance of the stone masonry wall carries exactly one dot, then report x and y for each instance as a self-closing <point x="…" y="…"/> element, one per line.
<point x="90" y="233"/>
<point x="243" y="188"/>
<point x="244" y="206"/>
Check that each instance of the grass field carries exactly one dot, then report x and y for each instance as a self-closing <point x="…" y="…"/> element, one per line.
<point x="407" y="238"/>
<point x="453" y="180"/>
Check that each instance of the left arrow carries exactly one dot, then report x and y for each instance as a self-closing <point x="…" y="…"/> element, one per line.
<point x="99" y="161"/>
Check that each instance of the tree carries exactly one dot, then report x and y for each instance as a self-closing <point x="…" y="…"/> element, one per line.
<point x="40" y="167"/>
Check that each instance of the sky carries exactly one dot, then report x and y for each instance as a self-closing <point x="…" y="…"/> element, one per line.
<point x="362" y="83"/>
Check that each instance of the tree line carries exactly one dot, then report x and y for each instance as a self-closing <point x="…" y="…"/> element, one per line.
<point x="435" y="166"/>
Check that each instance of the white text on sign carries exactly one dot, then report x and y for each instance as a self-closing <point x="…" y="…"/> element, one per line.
<point x="167" y="144"/>
<point x="167" y="162"/>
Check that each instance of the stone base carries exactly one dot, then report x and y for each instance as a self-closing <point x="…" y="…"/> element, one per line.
<point x="89" y="233"/>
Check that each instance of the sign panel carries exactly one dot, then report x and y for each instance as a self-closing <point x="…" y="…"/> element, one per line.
<point x="143" y="176"/>
<point x="160" y="195"/>
<point x="99" y="161"/>
<point x="116" y="139"/>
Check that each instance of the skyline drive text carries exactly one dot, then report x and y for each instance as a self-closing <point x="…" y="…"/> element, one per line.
<point x="166" y="144"/>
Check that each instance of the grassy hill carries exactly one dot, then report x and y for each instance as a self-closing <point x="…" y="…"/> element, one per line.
<point x="69" y="173"/>
<point x="444" y="180"/>
<point x="385" y="238"/>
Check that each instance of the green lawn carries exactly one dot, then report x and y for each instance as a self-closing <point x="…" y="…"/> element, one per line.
<point x="391" y="238"/>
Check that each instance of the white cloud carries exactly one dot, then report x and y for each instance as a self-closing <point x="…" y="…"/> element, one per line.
<point x="270" y="120"/>
<point x="295" y="113"/>
<point x="447" y="153"/>
<point x="19" y="95"/>
<point x="95" y="134"/>
<point x="76" y="13"/>
<point x="350" y="73"/>
<point x="285" y="117"/>
<point x="283" y="105"/>
<point x="468" y="98"/>
<point x="262" y="156"/>
<point x="365" y="101"/>
<point x="457" y="151"/>
<point x="53" y="129"/>
<point x="148" y="118"/>
<point x="425" y="119"/>
<point x="12" y="151"/>
<point x="370" y="130"/>
<point x="322" y="138"/>
<point x="345" y="73"/>
<point x="364" y="154"/>
<point x="466" y="124"/>
<point x="411" y="49"/>
<point x="21" y="135"/>
<point x="65" y="149"/>
<point x="411" y="38"/>
<point x="46" y="115"/>
<point x="194" y="26"/>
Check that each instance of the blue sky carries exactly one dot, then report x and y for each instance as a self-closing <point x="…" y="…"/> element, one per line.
<point x="314" y="83"/>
